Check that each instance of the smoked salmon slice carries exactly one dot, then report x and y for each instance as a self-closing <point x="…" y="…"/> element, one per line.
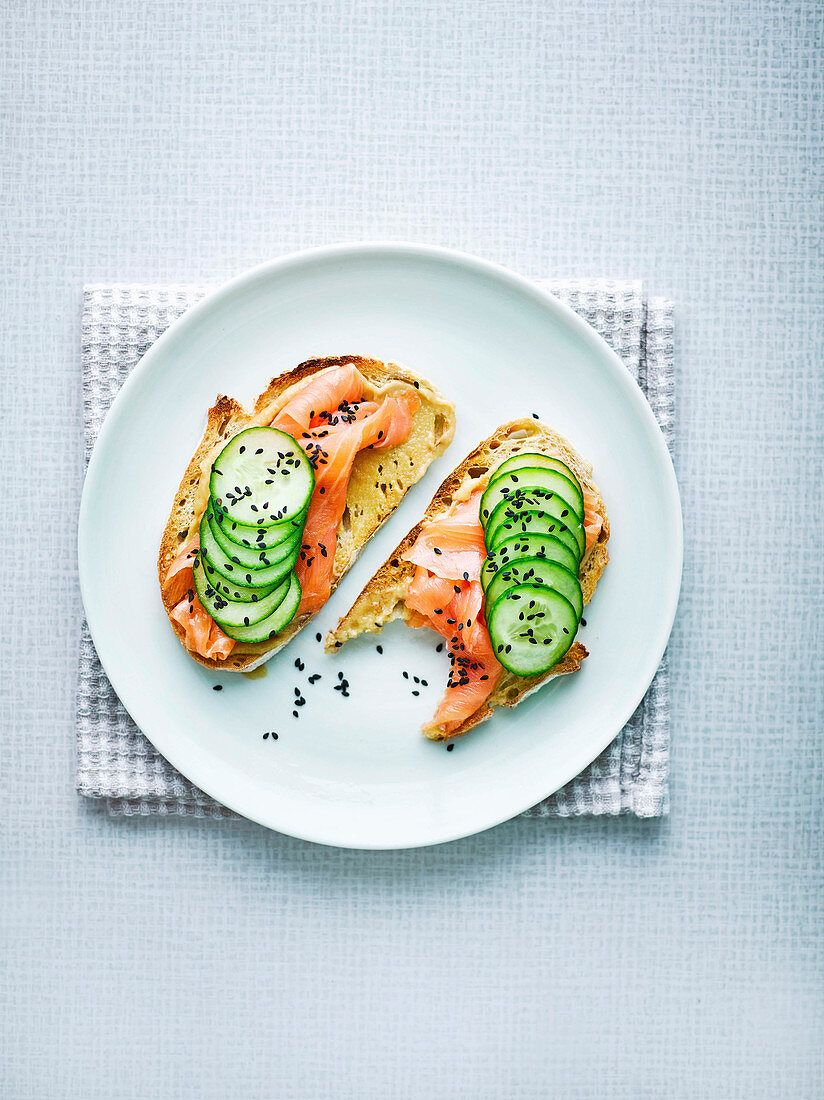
<point x="203" y="635"/>
<point x="446" y="595"/>
<point x="322" y="393"/>
<point x="452" y="546"/>
<point x="332" y="423"/>
<point x="593" y="521"/>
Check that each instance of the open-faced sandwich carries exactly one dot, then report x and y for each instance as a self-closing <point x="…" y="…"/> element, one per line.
<point x="277" y="503"/>
<point x="501" y="566"/>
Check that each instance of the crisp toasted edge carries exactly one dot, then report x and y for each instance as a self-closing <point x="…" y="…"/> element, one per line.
<point x="225" y="419"/>
<point x="375" y="604"/>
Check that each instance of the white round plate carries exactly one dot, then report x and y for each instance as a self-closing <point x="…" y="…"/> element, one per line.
<point x="355" y="772"/>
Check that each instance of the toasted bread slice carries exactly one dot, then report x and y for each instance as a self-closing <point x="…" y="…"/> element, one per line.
<point x="379" y="481"/>
<point x="383" y="597"/>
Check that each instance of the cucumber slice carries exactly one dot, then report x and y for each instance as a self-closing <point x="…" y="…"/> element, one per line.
<point x="260" y="557"/>
<point x="509" y="520"/>
<point x="527" y="546"/>
<point x="237" y="593"/>
<point x="538" y="482"/>
<point x="550" y="504"/>
<point x="261" y="477"/>
<point x="271" y="626"/>
<point x="535" y="461"/>
<point x="540" y="500"/>
<point x="233" y="573"/>
<point x="260" y="538"/>
<point x="228" y="614"/>
<point x="531" y="628"/>
<point x="548" y="574"/>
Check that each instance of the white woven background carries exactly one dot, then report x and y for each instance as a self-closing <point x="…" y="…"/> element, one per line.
<point x="678" y="142"/>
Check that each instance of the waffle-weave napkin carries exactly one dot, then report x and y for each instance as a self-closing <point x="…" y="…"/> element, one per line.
<point x="117" y="764"/>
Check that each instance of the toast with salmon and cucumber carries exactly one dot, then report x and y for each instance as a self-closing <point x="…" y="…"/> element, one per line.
<point x="501" y="566"/>
<point x="277" y="503"/>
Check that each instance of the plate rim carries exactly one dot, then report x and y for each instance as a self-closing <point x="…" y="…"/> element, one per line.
<point x="398" y="250"/>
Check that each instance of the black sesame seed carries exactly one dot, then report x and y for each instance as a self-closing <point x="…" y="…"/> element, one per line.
<point x="217" y="687"/>
<point x="379" y="648"/>
<point x="439" y="647"/>
<point x="416" y="693"/>
<point x="406" y="675"/>
<point x="583" y="622"/>
<point x="317" y="637"/>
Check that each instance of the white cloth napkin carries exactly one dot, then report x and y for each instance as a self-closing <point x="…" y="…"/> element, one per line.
<point x="118" y="765"/>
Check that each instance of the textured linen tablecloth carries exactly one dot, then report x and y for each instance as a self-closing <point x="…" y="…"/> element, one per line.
<point x="115" y="762"/>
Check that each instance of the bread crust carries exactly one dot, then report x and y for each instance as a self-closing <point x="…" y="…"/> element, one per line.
<point x="226" y="418"/>
<point x="382" y="599"/>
